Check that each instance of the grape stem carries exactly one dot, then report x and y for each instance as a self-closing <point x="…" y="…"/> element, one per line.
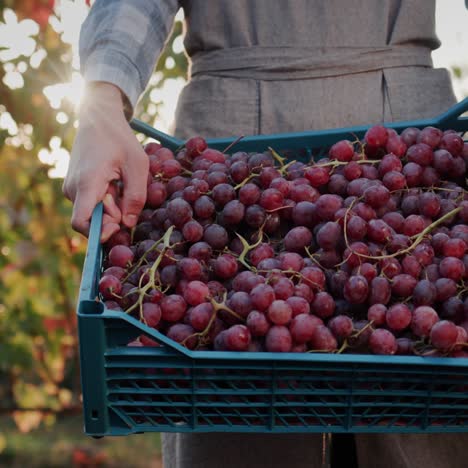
<point x="286" y="166"/>
<point x="222" y="306"/>
<point x="277" y="156"/>
<point x="342" y="347"/>
<point x="228" y="147"/>
<point x="217" y="306"/>
<point x="247" y="247"/>
<point x="336" y="163"/>
<point x="358" y="332"/>
<point x="311" y="256"/>
<point x="152" y="272"/>
<point x="418" y="239"/>
<point x="143" y="257"/>
<point x="241" y="184"/>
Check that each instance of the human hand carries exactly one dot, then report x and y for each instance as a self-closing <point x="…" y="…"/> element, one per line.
<point x="105" y="151"/>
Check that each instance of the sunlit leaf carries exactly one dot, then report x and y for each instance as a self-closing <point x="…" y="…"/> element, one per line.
<point x="27" y="420"/>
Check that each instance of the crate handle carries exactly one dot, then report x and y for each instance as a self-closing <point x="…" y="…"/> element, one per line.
<point x="93" y="256"/>
<point x="152" y="332"/>
<point x="166" y="140"/>
<point x="453" y="116"/>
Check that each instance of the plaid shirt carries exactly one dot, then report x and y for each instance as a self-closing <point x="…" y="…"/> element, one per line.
<point x="121" y="40"/>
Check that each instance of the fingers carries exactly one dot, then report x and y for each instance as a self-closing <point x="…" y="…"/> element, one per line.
<point x="112" y="217"/>
<point x="68" y="188"/>
<point x="65" y="190"/>
<point x="109" y="228"/>
<point x="83" y="209"/>
<point x="87" y="196"/>
<point x="115" y="189"/>
<point x="134" y="178"/>
<point x="85" y="202"/>
<point x="111" y="208"/>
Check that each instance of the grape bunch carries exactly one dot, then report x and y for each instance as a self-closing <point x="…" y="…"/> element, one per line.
<point x="362" y="251"/>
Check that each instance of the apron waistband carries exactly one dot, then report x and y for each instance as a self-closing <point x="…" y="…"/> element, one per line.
<point x="297" y="63"/>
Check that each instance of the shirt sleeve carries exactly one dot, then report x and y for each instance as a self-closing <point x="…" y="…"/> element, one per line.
<point x="120" y="42"/>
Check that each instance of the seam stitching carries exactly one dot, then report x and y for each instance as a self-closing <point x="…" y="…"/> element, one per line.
<point x="259" y="103"/>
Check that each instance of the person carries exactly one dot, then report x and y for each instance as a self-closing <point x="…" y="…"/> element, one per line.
<point x="257" y="67"/>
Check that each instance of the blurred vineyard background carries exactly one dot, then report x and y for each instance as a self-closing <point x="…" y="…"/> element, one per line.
<point x="41" y="257"/>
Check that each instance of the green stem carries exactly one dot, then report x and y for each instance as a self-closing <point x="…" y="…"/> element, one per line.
<point x="418" y="240"/>
<point x="152" y="272"/>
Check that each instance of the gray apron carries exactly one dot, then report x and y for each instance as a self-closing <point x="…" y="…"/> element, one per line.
<point x="266" y="66"/>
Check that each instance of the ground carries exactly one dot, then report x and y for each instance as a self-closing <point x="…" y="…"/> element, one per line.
<point x="64" y="445"/>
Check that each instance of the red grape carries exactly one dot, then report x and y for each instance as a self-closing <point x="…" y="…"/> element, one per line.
<point x="279" y="312"/>
<point x="341" y="326"/>
<point x="278" y="339"/>
<point x="200" y="315"/>
<point x="452" y="143"/>
<point x="297" y="239"/>
<point x="262" y="296"/>
<point x="403" y="285"/>
<point x="420" y="154"/>
<point x="192" y="231"/>
<point x="257" y="323"/>
<point x="444" y="335"/>
<point x="382" y="341"/>
<point x="396" y="145"/>
<point x="110" y="286"/>
<point x="376" y="136"/>
<point x="317" y="175"/>
<point x="216" y="236"/>
<point x="424" y="293"/>
<point x="237" y="338"/>
<point x="302" y="327"/>
<point x="196" y="292"/>
<point x="323" y="339"/>
<point x="424" y="318"/>
<point x="184" y="334"/>
<point x="151" y="314"/>
<point x="376" y="314"/>
<point x="452" y="267"/>
<point x="327" y="205"/>
<point x="298" y="305"/>
<point x="342" y="151"/>
<point x="173" y="307"/>
<point x="398" y="317"/>
<point x="225" y="266"/>
<point x="121" y="256"/>
<point x="323" y="305"/>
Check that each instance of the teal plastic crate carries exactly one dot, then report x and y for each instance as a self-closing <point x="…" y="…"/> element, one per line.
<point x="172" y="389"/>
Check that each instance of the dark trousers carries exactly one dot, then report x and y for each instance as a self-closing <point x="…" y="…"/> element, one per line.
<point x="226" y="450"/>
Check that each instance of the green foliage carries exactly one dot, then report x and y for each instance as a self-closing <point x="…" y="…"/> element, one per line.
<point x="457" y="71"/>
<point x="40" y="256"/>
